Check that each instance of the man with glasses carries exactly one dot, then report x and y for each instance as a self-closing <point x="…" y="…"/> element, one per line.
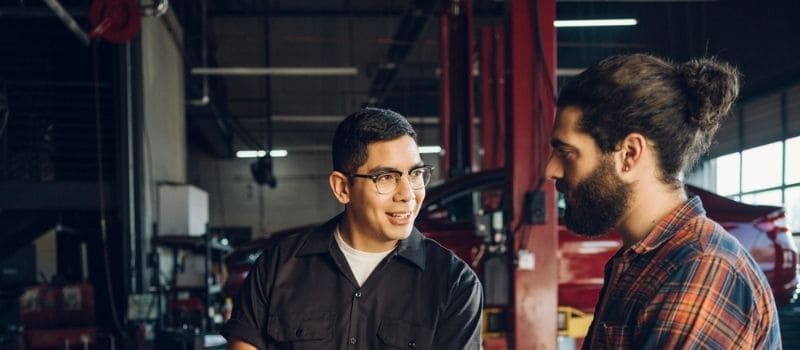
<point x="366" y="279"/>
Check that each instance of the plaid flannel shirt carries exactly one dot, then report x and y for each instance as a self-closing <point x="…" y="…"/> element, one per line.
<point x="688" y="285"/>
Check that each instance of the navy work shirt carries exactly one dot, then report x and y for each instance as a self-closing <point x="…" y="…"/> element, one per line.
<point x="301" y="294"/>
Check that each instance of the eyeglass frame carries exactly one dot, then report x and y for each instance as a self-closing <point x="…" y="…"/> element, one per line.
<point x="375" y="177"/>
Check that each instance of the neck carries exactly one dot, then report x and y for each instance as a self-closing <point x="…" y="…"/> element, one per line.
<point x="649" y="204"/>
<point x="363" y="241"/>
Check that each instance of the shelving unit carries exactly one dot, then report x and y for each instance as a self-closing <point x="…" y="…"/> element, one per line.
<point x="210" y="247"/>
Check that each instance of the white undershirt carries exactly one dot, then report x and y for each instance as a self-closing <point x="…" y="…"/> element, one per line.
<point x="361" y="263"/>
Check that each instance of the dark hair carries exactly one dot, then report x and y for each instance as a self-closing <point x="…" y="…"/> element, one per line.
<point x="362" y="128"/>
<point x="677" y="107"/>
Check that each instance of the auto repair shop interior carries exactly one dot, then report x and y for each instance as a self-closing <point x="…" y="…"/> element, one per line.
<point x="148" y="148"/>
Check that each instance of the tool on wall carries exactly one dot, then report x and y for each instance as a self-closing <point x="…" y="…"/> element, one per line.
<point x="115" y="21"/>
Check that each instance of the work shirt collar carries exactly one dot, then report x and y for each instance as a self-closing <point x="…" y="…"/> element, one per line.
<point x="321" y="240"/>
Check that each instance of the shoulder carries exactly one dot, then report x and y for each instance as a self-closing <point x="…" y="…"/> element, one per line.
<point x="704" y="240"/>
<point x="443" y="261"/>
<point x="279" y="249"/>
<point x="712" y="257"/>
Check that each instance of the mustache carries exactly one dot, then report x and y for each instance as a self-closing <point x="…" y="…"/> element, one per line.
<point x="560" y="186"/>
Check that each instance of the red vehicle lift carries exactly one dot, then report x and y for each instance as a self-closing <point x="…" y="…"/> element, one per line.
<point x="531" y="220"/>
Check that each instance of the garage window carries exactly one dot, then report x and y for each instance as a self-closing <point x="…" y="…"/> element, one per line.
<point x="763" y="175"/>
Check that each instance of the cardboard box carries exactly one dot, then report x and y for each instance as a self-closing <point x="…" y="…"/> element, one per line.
<point x="182" y="210"/>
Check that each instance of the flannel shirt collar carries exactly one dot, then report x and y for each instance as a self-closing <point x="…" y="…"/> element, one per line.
<point x="669" y="226"/>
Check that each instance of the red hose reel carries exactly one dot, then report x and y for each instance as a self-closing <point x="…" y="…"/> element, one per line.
<point x="115" y="21"/>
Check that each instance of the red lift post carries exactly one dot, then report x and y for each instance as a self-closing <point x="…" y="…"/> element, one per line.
<point x="457" y="87"/>
<point x="527" y="92"/>
<point x="534" y="221"/>
<point x="493" y="96"/>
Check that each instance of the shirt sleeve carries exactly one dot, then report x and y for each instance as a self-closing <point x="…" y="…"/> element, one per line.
<point x="705" y="302"/>
<point x="248" y="320"/>
<point x="460" y="327"/>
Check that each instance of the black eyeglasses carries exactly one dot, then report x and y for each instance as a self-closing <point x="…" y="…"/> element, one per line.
<point x="386" y="182"/>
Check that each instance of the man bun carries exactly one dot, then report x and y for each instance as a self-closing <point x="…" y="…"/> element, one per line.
<point x="712" y="89"/>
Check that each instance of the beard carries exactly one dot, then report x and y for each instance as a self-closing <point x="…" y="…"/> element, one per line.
<point x="598" y="202"/>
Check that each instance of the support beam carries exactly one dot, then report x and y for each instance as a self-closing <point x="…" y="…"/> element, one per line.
<point x="405" y="38"/>
<point x="492" y="79"/>
<point x="534" y="240"/>
<point x="456" y="32"/>
<point x="444" y="93"/>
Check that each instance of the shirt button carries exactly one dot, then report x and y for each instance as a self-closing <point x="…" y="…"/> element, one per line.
<point x="412" y="344"/>
<point x="358" y="294"/>
<point x="353" y="341"/>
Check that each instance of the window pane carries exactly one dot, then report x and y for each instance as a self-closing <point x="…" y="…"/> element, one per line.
<point x="763" y="198"/>
<point x="793" y="160"/>
<point x="728" y="174"/>
<point x="793" y="208"/>
<point x="762" y="166"/>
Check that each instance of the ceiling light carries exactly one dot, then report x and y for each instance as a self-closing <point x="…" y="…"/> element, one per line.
<point x="276" y="153"/>
<point x="569" y="72"/>
<point x="595" y="22"/>
<point x="430" y="149"/>
<point x="284" y="71"/>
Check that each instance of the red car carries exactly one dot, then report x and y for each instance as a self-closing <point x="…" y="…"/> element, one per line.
<point x="463" y="215"/>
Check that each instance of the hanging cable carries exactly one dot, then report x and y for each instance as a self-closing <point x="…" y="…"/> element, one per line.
<point x="101" y="194"/>
<point x="5" y="114"/>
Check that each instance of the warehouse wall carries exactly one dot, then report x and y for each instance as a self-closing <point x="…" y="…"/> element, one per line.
<point x="164" y="120"/>
<point x="302" y="195"/>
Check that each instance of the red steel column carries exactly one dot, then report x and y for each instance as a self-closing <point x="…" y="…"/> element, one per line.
<point x="444" y="91"/>
<point x="456" y="55"/>
<point x="493" y="96"/>
<point x="500" y="93"/>
<point x="489" y="129"/>
<point x="535" y="285"/>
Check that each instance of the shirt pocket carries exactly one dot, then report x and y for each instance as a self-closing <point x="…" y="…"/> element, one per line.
<point x="614" y="336"/>
<point x="308" y="330"/>
<point x="395" y="334"/>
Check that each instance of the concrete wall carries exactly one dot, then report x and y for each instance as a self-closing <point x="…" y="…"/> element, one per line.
<point x="301" y="197"/>
<point x="164" y="120"/>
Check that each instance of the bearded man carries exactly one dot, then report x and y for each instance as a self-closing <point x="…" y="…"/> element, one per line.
<point x="625" y="132"/>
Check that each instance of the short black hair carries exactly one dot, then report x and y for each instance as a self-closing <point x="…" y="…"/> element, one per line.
<point x="676" y="106"/>
<point x="363" y="128"/>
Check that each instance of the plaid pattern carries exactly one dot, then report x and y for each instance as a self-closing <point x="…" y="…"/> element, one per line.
<point x="688" y="285"/>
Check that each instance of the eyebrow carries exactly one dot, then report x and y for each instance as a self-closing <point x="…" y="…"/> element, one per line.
<point x="556" y="143"/>
<point x="382" y="169"/>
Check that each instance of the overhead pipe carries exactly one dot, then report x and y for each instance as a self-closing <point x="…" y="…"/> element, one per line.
<point x="70" y="22"/>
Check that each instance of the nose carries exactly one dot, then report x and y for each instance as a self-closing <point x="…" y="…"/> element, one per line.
<point x="404" y="192"/>
<point x="554" y="169"/>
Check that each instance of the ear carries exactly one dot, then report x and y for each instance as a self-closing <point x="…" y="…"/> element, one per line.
<point x="631" y="151"/>
<point x="340" y="186"/>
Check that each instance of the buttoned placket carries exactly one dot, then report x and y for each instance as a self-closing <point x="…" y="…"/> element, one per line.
<point x="618" y="267"/>
<point x="358" y="295"/>
<point x="354" y="312"/>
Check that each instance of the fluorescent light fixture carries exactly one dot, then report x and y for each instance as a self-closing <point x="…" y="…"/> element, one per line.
<point x="276" y="153"/>
<point x="595" y="22"/>
<point x="569" y="72"/>
<point x="430" y="149"/>
<point x="296" y="71"/>
<point x="250" y="154"/>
